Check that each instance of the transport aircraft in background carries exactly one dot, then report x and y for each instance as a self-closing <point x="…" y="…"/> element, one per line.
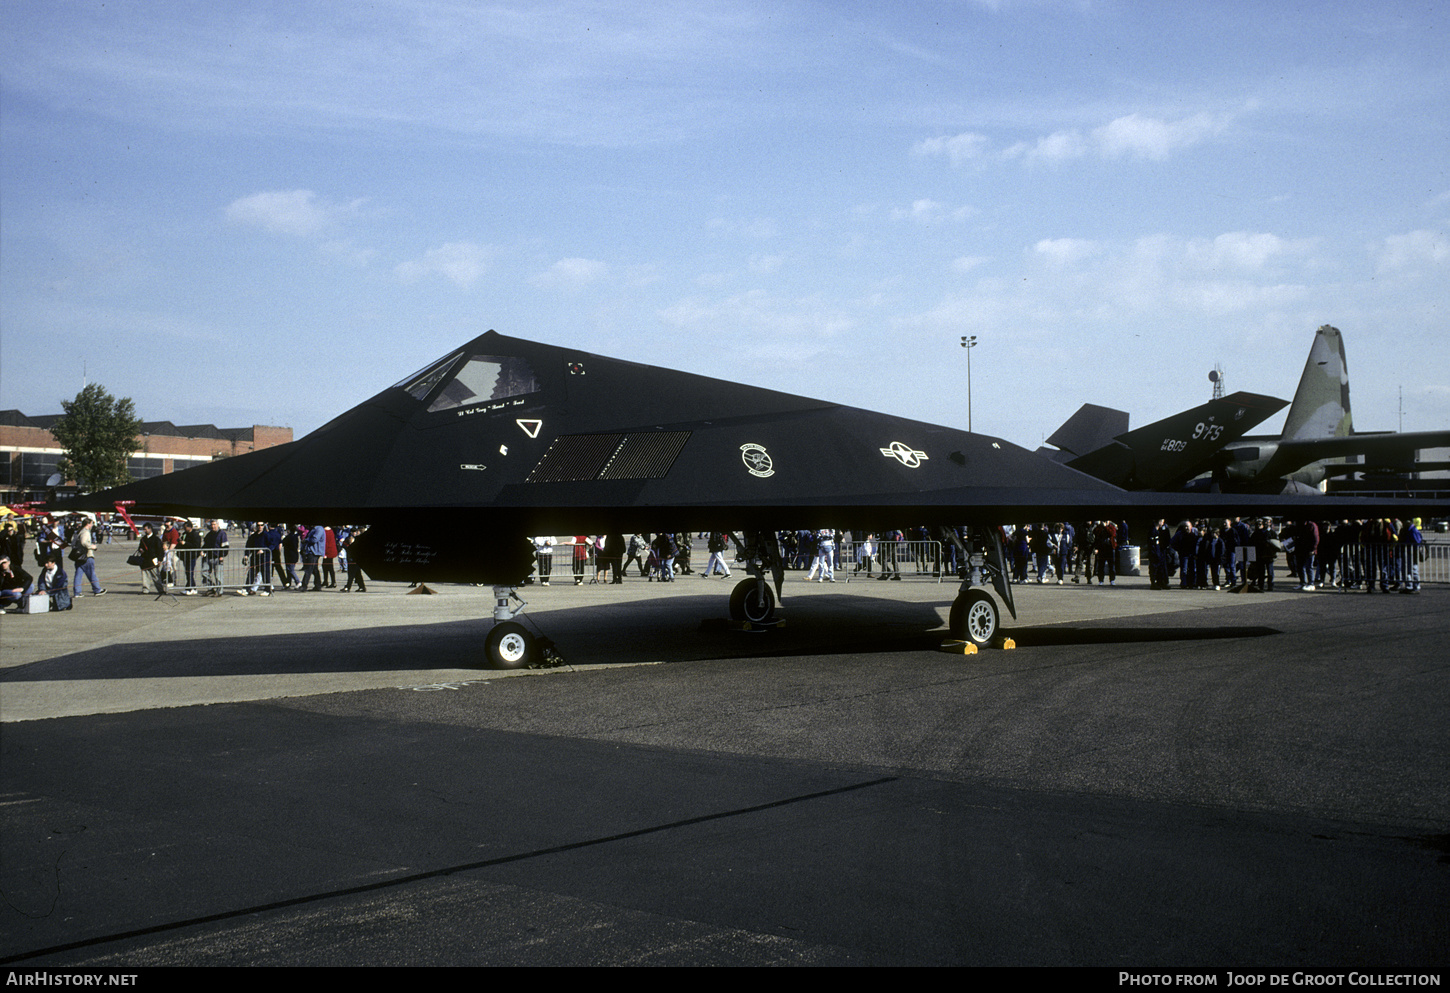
<point x="1207" y="449"/>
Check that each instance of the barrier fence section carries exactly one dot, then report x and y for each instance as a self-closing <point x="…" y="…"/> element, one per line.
<point x="917" y="559"/>
<point x="1385" y="563"/>
<point x="565" y="561"/>
<point x="186" y="572"/>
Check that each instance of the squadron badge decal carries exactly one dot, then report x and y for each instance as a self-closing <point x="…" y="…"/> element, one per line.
<point x="905" y="454"/>
<point x="757" y="460"/>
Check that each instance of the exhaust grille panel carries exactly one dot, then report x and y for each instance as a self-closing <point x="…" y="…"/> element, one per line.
<point x="586" y="457"/>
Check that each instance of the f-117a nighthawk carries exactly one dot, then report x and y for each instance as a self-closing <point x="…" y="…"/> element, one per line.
<point x="503" y="438"/>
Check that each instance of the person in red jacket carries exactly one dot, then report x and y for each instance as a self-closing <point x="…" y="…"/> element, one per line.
<point x="329" y="559"/>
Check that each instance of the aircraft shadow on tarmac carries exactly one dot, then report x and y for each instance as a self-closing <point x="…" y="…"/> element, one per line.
<point x="678" y="629"/>
<point x="1098" y="633"/>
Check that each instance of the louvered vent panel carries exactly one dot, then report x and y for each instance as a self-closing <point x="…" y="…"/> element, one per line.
<point x="645" y="456"/>
<point x="579" y="457"/>
<point x="576" y="457"/>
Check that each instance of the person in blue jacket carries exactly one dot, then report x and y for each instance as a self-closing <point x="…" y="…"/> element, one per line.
<point x="1412" y="548"/>
<point x="314" y="547"/>
<point x="52" y="581"/>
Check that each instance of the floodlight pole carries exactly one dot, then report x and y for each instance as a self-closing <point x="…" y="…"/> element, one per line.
<point x="969" y="343"/>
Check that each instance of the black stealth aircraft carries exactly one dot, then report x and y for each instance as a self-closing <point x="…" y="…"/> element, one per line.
<point x="503" y="438"/>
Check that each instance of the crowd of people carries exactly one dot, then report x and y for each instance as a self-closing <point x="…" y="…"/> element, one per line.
<point x="56" y="542"/>
<point x="1345" y="555"/>
<point x="178" y="557"/>
<point x="271" y="554"/>
<point x="664" y="556"/>
<point x="606" y="558"/>
<point x="175" y="557"/>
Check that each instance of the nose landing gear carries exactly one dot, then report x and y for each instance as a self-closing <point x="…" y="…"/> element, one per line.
<point x="509" y="644"/>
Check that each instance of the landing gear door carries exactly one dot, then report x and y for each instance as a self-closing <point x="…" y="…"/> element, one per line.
<point x="997" y="568"/>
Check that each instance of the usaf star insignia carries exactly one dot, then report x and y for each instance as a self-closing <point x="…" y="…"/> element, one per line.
<point x="905" y="454"/>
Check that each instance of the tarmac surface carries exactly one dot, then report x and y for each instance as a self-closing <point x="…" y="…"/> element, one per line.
<point x="1181" y="778"/>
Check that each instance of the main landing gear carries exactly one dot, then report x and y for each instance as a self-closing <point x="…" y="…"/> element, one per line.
<point x="752" y="601"/>
<point x="974" y="616"/>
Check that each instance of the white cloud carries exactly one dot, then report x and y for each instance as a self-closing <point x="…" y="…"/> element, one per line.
<point x="461" y="261"/>
<point x="967" y="263"/>
<point x="930" y="212"/>
<point x="1416" y="249"/>
<point x="1136" y="136"/>
<point x="1247" y="250"/>
<point x="1057" y="147"/>
<point x="294" y="212"/>
<point x="570" y="274"/>
<point x="1065" y="251"/>
<point x="1132" y="136"/>
<point x="958" y="148"/>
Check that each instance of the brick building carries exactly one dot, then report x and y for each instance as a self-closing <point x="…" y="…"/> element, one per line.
<point x="29" y="453"/>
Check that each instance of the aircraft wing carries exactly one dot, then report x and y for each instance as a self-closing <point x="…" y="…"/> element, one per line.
<point x="1379" y="452"/>
<point x="1168" y="453"/>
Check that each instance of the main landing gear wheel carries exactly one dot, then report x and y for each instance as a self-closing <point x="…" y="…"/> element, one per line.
<point x="510" y="646"/>
<point x="752" y="600"/>
<point x="974" y="617"/>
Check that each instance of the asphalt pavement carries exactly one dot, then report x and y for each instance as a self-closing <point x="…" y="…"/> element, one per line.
<point x="1181" y="778"/>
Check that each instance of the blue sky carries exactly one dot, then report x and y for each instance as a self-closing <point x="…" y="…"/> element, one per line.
<point x="266" y="212"/>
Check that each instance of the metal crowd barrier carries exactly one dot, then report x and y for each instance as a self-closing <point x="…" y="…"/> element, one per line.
<point x="235" y="567"/>
<point x="558" y="564"/>
<point x="1385" y="563"/>
<point x="907" y="559"/>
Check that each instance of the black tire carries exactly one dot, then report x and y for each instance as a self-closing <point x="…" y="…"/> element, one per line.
<point x="746" y="603"/>
<point x="510" y="646"/>
<point x="974" y="617"/>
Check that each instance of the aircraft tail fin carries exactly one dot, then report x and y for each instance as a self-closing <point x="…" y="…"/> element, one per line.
<point x="1089" y="429"/>
<point x="1321" y="403"/>
<point x="1168" y="453"/>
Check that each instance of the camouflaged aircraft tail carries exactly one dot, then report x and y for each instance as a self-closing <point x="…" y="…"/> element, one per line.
<point x="1321" y="404"/>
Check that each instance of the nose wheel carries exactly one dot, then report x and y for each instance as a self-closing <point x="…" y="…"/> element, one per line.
<point x="510" y="646"/>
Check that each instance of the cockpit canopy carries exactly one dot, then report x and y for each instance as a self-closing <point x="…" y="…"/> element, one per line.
<point x="459" y="380"/>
